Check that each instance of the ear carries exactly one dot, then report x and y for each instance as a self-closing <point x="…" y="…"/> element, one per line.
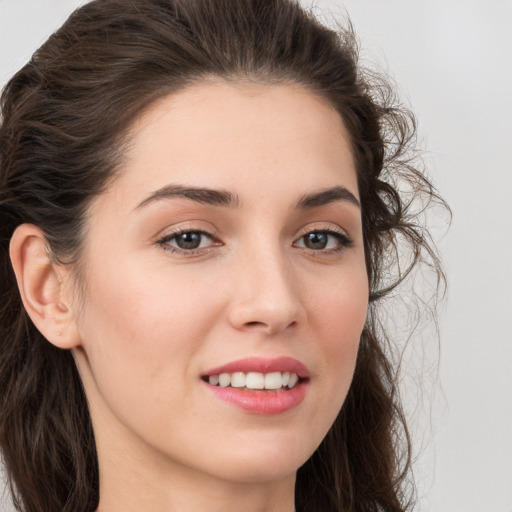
<point x="45" y="287"/>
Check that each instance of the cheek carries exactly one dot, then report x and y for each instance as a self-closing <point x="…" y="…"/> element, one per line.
<point x="338" y="317"/>
<point x="139" y="308"/>
<point x="140" y="333"/>
<point x="339" y="309"/>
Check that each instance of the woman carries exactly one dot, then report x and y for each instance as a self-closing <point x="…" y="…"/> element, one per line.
<point x="200" y="211"/>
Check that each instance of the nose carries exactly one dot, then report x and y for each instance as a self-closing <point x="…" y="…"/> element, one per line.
<point x="265" y="296"/>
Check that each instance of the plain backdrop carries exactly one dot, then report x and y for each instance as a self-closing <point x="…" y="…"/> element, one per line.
<point x="452" y="61"/>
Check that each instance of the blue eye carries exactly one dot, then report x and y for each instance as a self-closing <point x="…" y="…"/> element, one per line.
<point x="187" y="240"/>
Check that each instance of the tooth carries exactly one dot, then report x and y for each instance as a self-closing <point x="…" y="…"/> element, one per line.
<point x="224" y="380"/>
<point x="255" y="380"/>
<point x="213" y="380"/>
<point x="273" y="380"/>
<point x="238" y="380"/>
<point x="286" y="378"/>
<point x="293" y="380"/>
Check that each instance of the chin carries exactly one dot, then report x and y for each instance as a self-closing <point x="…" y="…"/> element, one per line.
<point x="254" y="471"/>
<point x="265" y="462"/>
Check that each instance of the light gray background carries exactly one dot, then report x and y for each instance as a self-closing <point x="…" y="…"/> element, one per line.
<point x="452" y="60"/>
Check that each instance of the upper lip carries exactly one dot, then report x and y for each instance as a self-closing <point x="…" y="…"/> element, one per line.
<point x="262" y="365"/>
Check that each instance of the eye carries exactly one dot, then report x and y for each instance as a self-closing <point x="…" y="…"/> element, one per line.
<point x="323" y="240"/>
<point x="185" y="241"/>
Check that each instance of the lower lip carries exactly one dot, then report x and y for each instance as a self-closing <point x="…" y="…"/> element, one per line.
<point x="261" y="402"/>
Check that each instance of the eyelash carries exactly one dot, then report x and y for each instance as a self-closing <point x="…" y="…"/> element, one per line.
<point x="342" y="239"/>
<point x="164" y="241"/>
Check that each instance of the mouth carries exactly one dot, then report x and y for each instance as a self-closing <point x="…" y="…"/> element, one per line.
<point x="275" y="381"/>
<point x="259" y="385"/>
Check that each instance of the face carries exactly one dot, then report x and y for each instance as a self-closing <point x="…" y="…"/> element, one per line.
<point x="227" y="257"/>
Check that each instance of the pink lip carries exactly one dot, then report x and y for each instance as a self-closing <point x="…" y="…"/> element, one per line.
<point x="261" y="402"/>
<point x="262" y="365"/>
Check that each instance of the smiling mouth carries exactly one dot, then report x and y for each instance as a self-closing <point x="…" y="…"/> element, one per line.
<point x="260" y="385"/>
<point x="255" y="381"/>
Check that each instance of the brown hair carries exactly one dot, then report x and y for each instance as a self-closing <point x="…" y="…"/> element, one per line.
<point x="64" y="119"/>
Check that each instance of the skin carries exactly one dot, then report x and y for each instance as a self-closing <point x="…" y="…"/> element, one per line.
<point x="153" y="318"/>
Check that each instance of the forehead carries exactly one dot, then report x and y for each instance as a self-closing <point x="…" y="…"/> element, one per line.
<point x="241" y="136"/>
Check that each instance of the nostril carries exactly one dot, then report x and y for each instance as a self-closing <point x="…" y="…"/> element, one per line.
<point x="255" y="324"/>
<point x="270" y="327"/>
<point x="265" y="316"/>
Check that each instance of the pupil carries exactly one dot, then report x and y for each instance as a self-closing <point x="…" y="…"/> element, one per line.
<point x="316" y="240"/>
<point x="189" y="240"/>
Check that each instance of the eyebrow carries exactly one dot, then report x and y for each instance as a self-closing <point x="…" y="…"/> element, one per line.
<point x="327" y="196"/>
<point x="214" y="197"/>
<point x="220" y="197"/>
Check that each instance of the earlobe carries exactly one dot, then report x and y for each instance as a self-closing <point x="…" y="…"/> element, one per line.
<point x="42" y="286"/>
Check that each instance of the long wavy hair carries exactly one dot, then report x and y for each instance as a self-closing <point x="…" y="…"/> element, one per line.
<point x="65" y="118"/>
